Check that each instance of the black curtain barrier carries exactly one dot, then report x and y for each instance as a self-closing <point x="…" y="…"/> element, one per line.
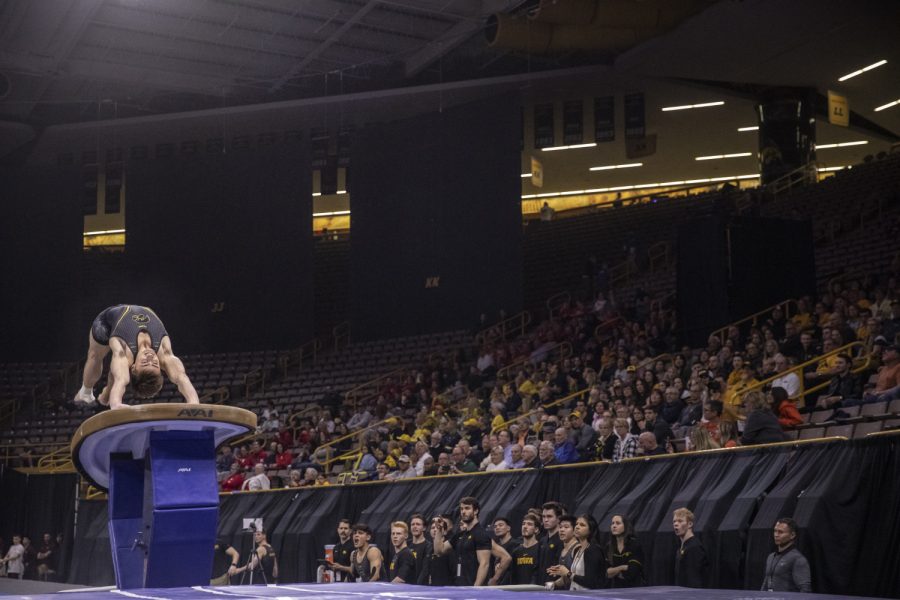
<point x="843" y="494"/>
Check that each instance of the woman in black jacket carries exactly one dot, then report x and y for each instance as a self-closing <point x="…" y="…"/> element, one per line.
<point x="624" y="558"/>
<point x="762" y="426"/>
<point x="588" y="562"/>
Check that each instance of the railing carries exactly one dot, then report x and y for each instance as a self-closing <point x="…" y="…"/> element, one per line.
<point x="800" y="176"/>
<point x="658" y="256"/>
<point x="328" y="447"/>
<point x="57" y="461"/>
<point x="556" y="302"/>
<point x="254" y="381"/>
<point x="515" y="324"/>
<point x="296" y="358"/>
<point x="564" y="349"/>
<point x="340" y="334"/>
<point x="352" y="395"/>
<point x="8" y="410"/>
<point x="534" y="411"/>
<point x="657" y="303"/>
<point x="798" y="370"/>
<point x="299" y="414"/>
<point x="784" y="305"/>
<point x="220" y="395"/>
<point x="607" y="324"/>
<point x="622" y="273"/>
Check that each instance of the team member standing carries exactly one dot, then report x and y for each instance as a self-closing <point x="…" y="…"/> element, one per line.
<point x="263" y="565"/>
<point x="526" y="556"/>
<point x="691" y="564"/>
<point x="625" y="558"/>
<point x="471" y="544"/>
<point x="551" y="546"/>
<point x="402" y="568"/>
<point x="419" y="545"/>
<point x="584" y="573"/>
<point x="225" y="563"/>
<point x="786" y="569"/>
<point x="341" y="554"/>
<point x="557" y="572"/>
<point x="438" y="569"/>
<point x="503" y="535"/>
<point x="365" y="560"/>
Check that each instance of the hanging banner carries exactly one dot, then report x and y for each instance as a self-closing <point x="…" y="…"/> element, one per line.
<point x="838" y="110"/>
<point x="604" y="119"/>
<point x="573" y="122"/>
<point x="543" y="125"/>
<point x="537" y="173"/>
<point x="635" y="122"/>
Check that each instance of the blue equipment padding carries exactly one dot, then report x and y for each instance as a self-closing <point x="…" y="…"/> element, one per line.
<point x="126" y="523"/>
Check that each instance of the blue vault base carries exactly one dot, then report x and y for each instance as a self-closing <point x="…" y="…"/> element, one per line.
<point x="349" y="591"/>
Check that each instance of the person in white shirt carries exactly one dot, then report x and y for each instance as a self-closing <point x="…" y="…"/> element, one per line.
<point x="404" y="469"/>
<point x="789" y="381"/>
<point x="496" y="460"/>
<point x="259" y="481"/>
<point x="14" y="559"/>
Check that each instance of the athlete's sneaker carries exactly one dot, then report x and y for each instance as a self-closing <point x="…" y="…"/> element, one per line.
<point x="84" y="398"/>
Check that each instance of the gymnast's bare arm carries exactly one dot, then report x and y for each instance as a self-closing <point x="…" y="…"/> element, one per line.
<point x="172" y="366"/>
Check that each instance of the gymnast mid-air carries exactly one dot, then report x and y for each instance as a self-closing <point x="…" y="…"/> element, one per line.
<point x="141" y="353"/>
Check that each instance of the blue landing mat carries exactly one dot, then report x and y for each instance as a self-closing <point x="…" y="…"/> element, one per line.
<point x="386" y="591"/>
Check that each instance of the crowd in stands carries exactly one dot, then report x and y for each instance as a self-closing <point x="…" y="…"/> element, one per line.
<point x="22" y="559"/>
<point x="620" y="390"/>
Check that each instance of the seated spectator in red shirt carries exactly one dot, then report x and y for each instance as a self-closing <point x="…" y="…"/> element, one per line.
<point x="283" y="457"/>
<point x="712" y="413"/>
<point x="785" y="408"/>
<point x="235" y="479"/>
<point x="257" y="454"/>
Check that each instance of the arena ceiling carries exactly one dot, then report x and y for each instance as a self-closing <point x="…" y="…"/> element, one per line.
<point x="65" y="62"/>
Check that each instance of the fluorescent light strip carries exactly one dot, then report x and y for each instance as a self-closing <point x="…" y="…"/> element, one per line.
<point x="841" y="145"/>
<point x="888" y="105"/>
<point x="339" y="192"/>
<point x="717" y="156"/>
<point x="336" y="213"/>
<point x="608" y="167"/>
<point x="106" y="232"/>
<point x="687" y="106"/>
<point x="863" y="70"/>
<point x="641" y="186"/>
<point x="571" y="147"/>
<point x="524" y="175"/>
<point x="832" y="168"/>
<point x="754" y="128"/>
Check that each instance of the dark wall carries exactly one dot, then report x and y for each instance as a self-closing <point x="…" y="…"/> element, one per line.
<point x="839" y="493"/>
<point x="702" y="278"/>
<point x="41" y="229"/>
<point x="232" y="228"/>
<point x="436" y="196"/>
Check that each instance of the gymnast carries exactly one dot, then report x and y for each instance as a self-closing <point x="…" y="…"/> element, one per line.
<point x="141" y="353"/>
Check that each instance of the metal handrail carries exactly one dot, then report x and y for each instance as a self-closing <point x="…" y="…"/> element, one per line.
<point x="845" y="349"/>
<point x="657" y="303"/>
<point x="556" y="301"/>
<point x="341" y="333"/>
<point x="222" y="392"/>
<point x="300" y="413"/>
<point x="308" y="349"/>
<point x="785" y="305"/>
<point x="502" y="330"/>
<point x="57" y="461"/>
<point x="351" y="395"/>
<point x="534" y="411"/>
<point x="607" y="324"/>
<point x="657" y="251"/>
<point x="353" y="434"/>
<point x="565" y="351"/>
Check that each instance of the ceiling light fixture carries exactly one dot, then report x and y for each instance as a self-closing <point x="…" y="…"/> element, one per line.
<point x="754" y="128"/>
<point x="687" y="106"/>
<point x="570" y="147"/>
<point x="717" y="156"/>
<point x="336" y="213"/>
<point x="823" y="169"/>
<point x="640" y="186"/>
<point x="105" y="232"/>
<point x="863" y="70"/>
<point x="608" y="167"/>
<point x="525" y="175"/>
<point x="841" y="145"/>
<point x="888" y="105"/>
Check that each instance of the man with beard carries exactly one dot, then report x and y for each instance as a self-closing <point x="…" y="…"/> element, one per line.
<point x="526" y="557"/>
<point x="402" y="568"/>
<point x="365" y="560"/>
<point x="471" y="544"/>
<point x="342" y="551"/>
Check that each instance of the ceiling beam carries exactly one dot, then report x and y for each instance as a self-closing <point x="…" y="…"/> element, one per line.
<point x="334" y="37"/>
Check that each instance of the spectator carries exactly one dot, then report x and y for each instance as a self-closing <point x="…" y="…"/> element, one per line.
<point x="546" y="454"/>
<point x="700" y="439"/>
<point x="671" y="410"/>
<point x="460" y="463"/>
<point x="785" y="408"/>
<point x="405" y="470"/>
<point x="224" y="460"/>
<point x="582" y="436"/>
<point x="496" y="462"/>
<point x="564" y="450"/>
<point x="47" y="557"/>
<point x="786" y="379"/>
<point x="887" y="385"/>
<point x="648" y="446"/>
<point x="235" y="479"/>
<point x="624" y="557"/>
<point x="15" y="559"/>
<point x="518" y="461"/>
<point x="530" y="458"/>
<point x="606" y="440"/>
<point x="258" y="481"/>
<point x="626" y="444"/>
<point x="295" y="480"/>
<point x="659" y="427"/>
<point x="712" y="415"/>
<point x="762" y="425"/>
<point x="728" y="434"/>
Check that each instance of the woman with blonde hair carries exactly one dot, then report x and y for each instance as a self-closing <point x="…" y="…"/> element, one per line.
<point x="762" y="425"/>
<point x="701" y="439"/>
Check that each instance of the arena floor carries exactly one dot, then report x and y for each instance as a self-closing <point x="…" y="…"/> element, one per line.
<point x="347" y="591"/>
